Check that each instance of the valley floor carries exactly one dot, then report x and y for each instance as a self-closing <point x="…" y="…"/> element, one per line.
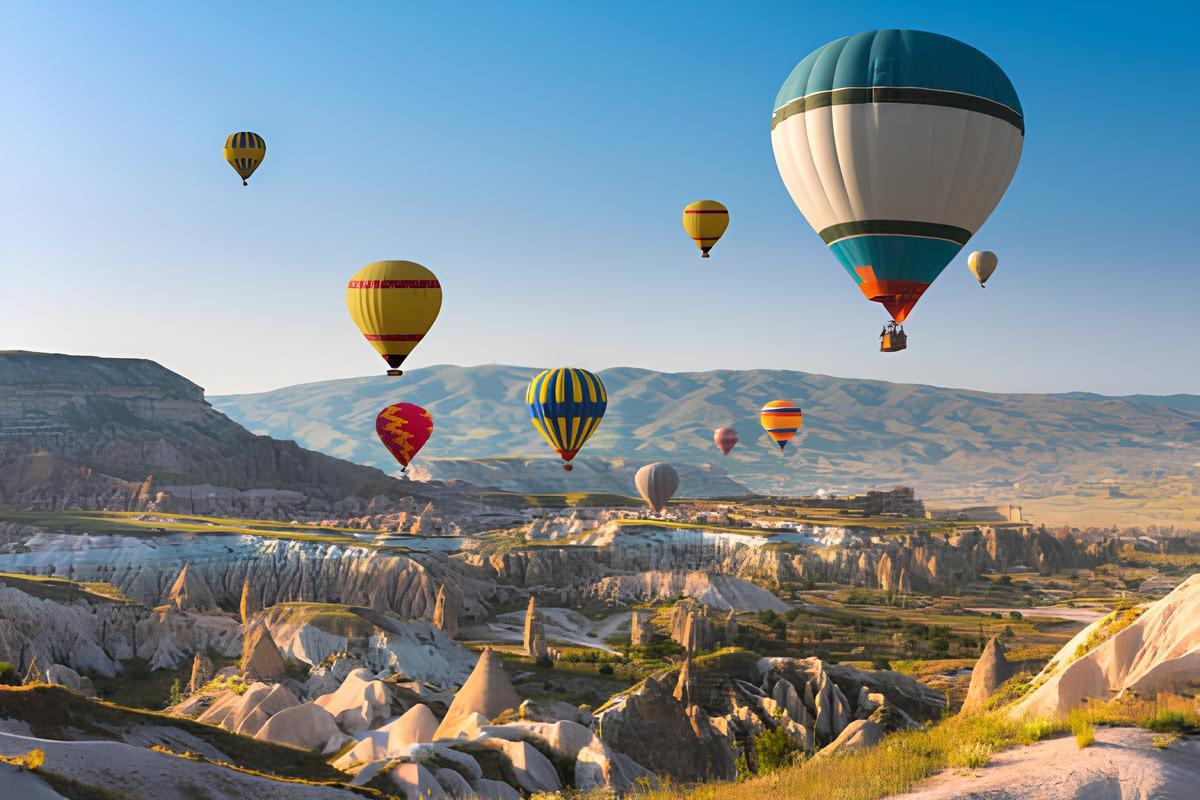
<point x="1122" y="764"/>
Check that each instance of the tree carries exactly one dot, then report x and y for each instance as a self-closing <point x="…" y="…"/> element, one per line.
<point x="176" y="692"/>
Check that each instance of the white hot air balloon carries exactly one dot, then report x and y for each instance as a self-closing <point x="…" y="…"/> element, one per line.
<point x="896" y="145"/>
<point x="982" y="264"/>
<point x="656" y="483"/>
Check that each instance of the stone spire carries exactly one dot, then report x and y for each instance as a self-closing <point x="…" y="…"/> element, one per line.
<point x="731" y="628"/>
<point x="641" y="629"/>
<point x="535" y="636"/>
<point x="445" y="611"/>
<point x="685" y="687"/>
<point x="246" y="607"/>
<point x="202" y="672"/>
<point x="190" y="593"/>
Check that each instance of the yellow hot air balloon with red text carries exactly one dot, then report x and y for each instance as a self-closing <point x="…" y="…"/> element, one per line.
<point x="705" y="221"/>
<point x="394" y="304"/>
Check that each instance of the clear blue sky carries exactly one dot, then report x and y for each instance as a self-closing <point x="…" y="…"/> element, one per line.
<point x="536" y="156"/>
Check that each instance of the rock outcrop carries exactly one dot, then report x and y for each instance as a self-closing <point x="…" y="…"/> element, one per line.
<point x="651" y="724"/>
<point x="261" y="659"/>
<point x="190" y="594"/>
<point x="487" y="692"/>
<point x="991" y="670"/>
<point x="1127" y="652"/>
<point x="202" y="672"/>
<point x="360" y="703"/>
<point x="445" y="611"/>
<point x="535" y="633"/>
<point x="690" y="625"/>
<point x="641" y="628"/>
<point x="306" y="726"/>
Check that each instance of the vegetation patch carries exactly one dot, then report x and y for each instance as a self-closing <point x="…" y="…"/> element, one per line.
<point x="1107" y="628"/>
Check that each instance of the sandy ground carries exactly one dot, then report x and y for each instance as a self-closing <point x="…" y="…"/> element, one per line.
<point x="1121" y="765"/>
<point x="143" y="774"/>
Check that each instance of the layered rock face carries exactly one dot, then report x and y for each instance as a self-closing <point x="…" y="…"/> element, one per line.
<point x="1124" y="653"/>
<point x="130" y="417"/>
<point x="631" y="563"/>
<point x="277" y="570"/>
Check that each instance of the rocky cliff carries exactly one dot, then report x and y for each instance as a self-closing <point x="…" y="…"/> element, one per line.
<point x="81" y="431"/>
<point x="922" y="562"/>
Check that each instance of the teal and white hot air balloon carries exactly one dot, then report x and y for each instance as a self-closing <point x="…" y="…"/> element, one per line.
<point x="896" y="146"/>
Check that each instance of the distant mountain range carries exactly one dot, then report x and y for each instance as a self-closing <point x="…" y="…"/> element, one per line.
<point x="858" y="434"/>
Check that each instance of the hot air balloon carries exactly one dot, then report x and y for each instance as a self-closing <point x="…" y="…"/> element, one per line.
<point x="705" y="221"/>
<point x="781" y="419"/>
<point x="725" y="438"/>
<point x="245" y="151"/>
<point x="566" y="406"/>
<point x="656" y="483"/>
<point x="896" y="145"/>
<point x="404" y="429"/>
<point x="982" y="264"/>
<point x="394" y="304"/>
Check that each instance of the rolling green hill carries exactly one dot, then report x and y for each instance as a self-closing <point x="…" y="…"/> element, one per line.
<point x="949" y="443"/>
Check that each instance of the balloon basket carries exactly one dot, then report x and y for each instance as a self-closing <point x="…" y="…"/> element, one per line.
<point x="567" y="467"/>
<point x="893" y="339"/>
<point x="395" y="373"/>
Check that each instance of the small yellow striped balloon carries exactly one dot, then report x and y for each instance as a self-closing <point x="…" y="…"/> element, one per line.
<point x="705" y="221"/>
<point x="781" y="419"/>
<point x="245" y="151"/>
<point x="394" y="304"/>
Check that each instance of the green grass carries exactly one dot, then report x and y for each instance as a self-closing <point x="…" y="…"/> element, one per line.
<point x="137" y="525"/>
<point x="62" y="590"/>
<point x="1107" y="628"/>
<point x="1082" y="728"/>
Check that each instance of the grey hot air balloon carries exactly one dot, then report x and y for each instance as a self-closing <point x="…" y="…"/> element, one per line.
<point x="657" y="484"/>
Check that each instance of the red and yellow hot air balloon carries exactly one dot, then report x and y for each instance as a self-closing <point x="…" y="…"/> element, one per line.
<point x="725" y="439"/>
<point x="404" y="429"/>
<point x="781" y="419"/>
<point x="394" y="304"/>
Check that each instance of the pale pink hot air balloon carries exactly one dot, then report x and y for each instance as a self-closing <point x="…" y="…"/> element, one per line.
<point x="725" y="438"/>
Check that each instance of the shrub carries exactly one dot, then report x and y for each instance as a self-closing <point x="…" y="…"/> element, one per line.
<point x="1035" y="730"/>
<point x="8" y="675"/>
<point x="971" y="755"/>
<point x="1081" y="727"/>
<point x="1163" y="742"/>
<point x="880" y="663"/>
<point x="1010" y="691"/>
<point x="776" y="750"/>
<point x="606" y="669"/>
<point x="1168" y="721"/>
<point x="1015" y="615"/>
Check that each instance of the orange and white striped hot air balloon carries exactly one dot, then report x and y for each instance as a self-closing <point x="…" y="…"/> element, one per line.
<point x="781" y="419"/>
<point x="394" y="304"/>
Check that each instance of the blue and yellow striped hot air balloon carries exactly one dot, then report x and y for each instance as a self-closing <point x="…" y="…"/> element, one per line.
<point x="245" y="151"/>
<point x="896" y="145"/>
<point x="566" y="406"/>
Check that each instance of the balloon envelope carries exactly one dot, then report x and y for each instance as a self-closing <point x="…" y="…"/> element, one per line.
<point x="725" y="439"/>
<point x="566" y="405"/>
<point x="656" y="483"/>
<point x="705" y="221"/>
<point x="896" y="145"/>
<point x="245" y="151"/>
<point x="404" y="429"/>
<point x="781" y="419"/>
<point x="982" y="264"/>
<point x="394" y="304"/>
